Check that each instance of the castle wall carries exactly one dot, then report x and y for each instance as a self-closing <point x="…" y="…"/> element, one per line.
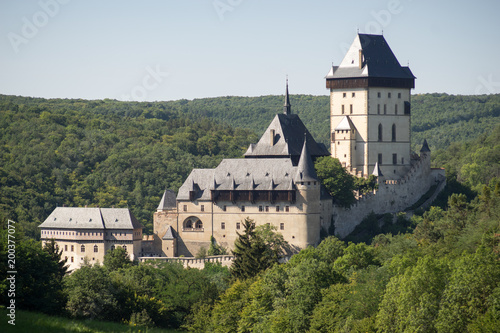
<point x="392" y="196"/>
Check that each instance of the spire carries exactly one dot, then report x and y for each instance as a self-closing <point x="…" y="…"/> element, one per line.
<point x="425" y="147"/>
<point x="376" y="170"/>
<point x="305" y="168"/>
<point x="287" y="108"/>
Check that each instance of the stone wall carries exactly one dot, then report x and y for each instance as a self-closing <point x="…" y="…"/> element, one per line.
<point x="392" y="196"/>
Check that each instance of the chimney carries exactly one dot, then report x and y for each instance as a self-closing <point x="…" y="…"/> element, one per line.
<point x="272" y="137"/>
<point x="360" y="59"/>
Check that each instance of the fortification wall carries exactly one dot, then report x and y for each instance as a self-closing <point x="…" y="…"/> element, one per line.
<point x="392" y="196"/>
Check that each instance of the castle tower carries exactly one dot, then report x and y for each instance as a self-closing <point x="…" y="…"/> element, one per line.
<point x="308" y="197"/>
<point x="370" y="109"/>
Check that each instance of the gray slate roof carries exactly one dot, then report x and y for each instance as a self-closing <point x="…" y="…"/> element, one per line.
<point x="378" y="60"/>
<point x="167" y="200"/>
<point x="425" y="147"/>
<point x="91" y="218"/>
<point x="169" y="234"/>
<point x="305" y="168"/>
<point x="345" y="124"/>
<point x="289" y="136"/>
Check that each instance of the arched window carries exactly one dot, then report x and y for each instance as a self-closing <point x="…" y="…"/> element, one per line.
<point x="393" y="132"/>
<point x="82" y="249"/>
<point x="379" y="132"/>
<point x="96" y="249"/>
<point x="192" y="223"/>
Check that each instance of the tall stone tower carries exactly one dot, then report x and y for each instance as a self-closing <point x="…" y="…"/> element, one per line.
<point x="370" y="109"/>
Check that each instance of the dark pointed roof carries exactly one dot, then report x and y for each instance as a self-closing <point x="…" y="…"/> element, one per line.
<point x="305" y="168"/>
<point x="287" y="107"/>
<point x="425" y="147"/>
<point x="169" y="234"/>
<point x="289" y="133"/>
<point x="167" y="201"/>
<point x="376" y="170"/>
<point x="377" y="60"/>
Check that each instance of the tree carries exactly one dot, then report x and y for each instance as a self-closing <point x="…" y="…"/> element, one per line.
<point x="116" y="259"/>
<point x="336" y="179"/>
<point x="255" y="250"/>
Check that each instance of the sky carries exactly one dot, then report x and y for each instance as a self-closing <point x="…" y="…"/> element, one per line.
<point x="160" y="50"/>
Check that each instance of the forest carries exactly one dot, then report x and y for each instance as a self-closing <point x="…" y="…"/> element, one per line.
<point x="437" y="271"/>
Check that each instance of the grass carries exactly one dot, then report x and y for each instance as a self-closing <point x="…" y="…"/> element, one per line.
<point x="42" y="323"/>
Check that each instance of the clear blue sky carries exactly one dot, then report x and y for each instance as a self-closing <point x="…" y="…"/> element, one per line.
<point x="167" y="50"/>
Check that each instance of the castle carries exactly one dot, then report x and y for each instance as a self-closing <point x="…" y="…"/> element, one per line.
<point x="276" y="183"/>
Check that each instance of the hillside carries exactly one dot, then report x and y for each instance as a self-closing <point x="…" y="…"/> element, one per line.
<point x="109" y="153"/>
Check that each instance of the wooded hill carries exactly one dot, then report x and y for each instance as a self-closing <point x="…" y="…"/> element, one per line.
<point x="78" y="152"/>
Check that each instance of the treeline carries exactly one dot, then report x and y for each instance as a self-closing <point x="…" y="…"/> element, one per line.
<point x="101" y="153"/>
<point x="442" y="277"/>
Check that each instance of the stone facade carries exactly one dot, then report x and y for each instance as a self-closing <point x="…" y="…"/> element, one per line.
<point x="89" y="233"/>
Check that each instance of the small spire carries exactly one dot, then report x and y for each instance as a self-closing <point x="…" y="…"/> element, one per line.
<point x="287" y="108"/>
<point x="305" y="168"/>
<point x="425" y="147"/>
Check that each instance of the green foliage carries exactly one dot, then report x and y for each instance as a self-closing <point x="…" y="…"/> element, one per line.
<point x="336" y="179"/>
<point x="101" y="153"/>
<point x="256" y="250"/>
<point x="216" y="249"/>
<point x="116" y="259"/>
<point x="38" y="284"/>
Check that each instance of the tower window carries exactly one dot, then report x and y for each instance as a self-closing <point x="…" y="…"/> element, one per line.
<point x="238" y="225"/>
<point x="344" y="95"/>
<point x="395" y="109"/>
<point x="379" y="132"/>
<point x="282" y="226"/>
<point x="277" y="208"/>
<point x="96" y="248"/>
<point x="378" y="108"/>
<point x="202" y="208"/>
<point x="223" y="225"/>
<point x="260" y="209"/>
<point x="287" y="208"/>
<point x="224" y="208"/>
<point x="350" y="108"/>
<point x="393" y="132"/>
<point x="343" y="109"/>
<point x="394" y="158"/>
<point x="242" y="208"/>
<point x="389" y="95"/>
<point x="267" y="208"/>
<point x="185" y="208"/>
<point x="353" y="94"/>
<point x="380" y="159"/>
<point x="82" y="249"/>
<point x="399" y="95"/>
<point x="385" y="108"/>
<point x="378" y="95"/>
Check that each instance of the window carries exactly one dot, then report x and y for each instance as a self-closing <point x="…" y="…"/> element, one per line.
<point x="125" y="248"/>
<point x="185" y="208"/>
<point x="378" y="95"/>
<point x="399" y="95"/>
<point x="65" y="247"/>
<point x="112" y="247"/>
<point x="385" y="108"/>
<point x="96" y="249"/>
<point x="379" y="132"/>
<point x="394" y="158"/>
<point x="202" y="208"/>
<point x="224" y="208"/>
<point x="402" y="160"/>
<point x="267" y="209"/>
<point x="277" y="208"/>
<point x="82" y="249"/>
<point x="389" y="95"/>
<point x="238" y="225"/>
<point x="344" y="95"/>
<point x="261" y="209"/>
<point x="242" y="208"/>
<point x="72" y="248"/>
<point x="282" y="226"/>
<point x="378" y="108"/>
<point x="342" y="108"/>
<point x="72" y="259"/>
<point x="350" y="108"/>
<point x="287" y="208"/>
<point x="380" y="159"/>
<point x="393" y="132"/>
<point x="353" y="94"/>
<point x="395" y="109"/>
<point x="223" y="225"/>
<point x="66" y="258"/>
